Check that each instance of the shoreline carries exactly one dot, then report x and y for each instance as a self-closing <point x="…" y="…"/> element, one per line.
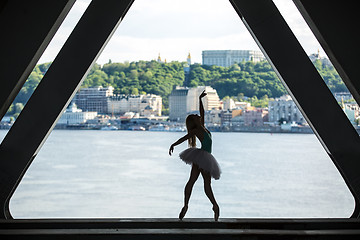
<point x="145" y="128"/>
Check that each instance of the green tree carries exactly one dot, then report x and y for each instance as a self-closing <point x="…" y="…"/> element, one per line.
<point x="134" y="91"/>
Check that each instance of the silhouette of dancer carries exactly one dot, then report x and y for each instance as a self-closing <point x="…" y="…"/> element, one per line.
<point x="201" y="159"/>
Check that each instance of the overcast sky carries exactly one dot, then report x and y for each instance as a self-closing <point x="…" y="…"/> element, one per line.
<point x="175" y="28"/>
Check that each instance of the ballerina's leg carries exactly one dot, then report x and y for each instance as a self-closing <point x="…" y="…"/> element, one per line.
<point x="194" y="174"/>
<point x="209" y="193"/>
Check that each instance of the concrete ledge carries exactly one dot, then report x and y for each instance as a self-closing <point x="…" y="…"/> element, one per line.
<point x="175" y="229"/>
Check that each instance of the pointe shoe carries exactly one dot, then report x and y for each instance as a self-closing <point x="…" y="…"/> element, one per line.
<point x="216" y="210"/>
<point x="183" y="212"/>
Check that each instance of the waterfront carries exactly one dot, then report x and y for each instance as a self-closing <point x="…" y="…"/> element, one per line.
<point x="124" y="174"/>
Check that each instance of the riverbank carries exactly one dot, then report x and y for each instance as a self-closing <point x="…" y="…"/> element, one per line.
<point x="176" y="127"/>
<point x="181" y="128"/>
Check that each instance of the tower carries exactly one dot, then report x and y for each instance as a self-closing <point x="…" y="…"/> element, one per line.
<point x="189" y="59"/>
<point x="187" y="70"/>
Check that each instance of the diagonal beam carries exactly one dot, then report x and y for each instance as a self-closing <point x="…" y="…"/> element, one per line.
<point x="26" y="29"/>
<point x="305" y="85"/>
<point x="55" y="91"/>
<point x="337" y="36"/>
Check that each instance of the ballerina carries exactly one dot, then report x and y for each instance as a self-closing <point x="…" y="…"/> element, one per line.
<point x="201" y="159"/>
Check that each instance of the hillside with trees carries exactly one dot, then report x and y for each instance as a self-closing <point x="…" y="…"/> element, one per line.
<point x="257" y="81"/>
<point x="247" y="78"/>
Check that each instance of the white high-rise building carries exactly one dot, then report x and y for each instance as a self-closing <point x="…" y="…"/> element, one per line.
<point x="210" y="102"/>
<point x="183" y="101"/>
<point x="226" y="58"/>
<point x="285" y="108"/>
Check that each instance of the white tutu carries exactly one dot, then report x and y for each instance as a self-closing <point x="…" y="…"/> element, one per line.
<point x="203" y="159"/>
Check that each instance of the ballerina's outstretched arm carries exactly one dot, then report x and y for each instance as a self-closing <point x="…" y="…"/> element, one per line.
<point x="181" y="140"/>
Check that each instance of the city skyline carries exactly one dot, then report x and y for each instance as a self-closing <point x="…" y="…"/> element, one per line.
<point x="175" y="28"/>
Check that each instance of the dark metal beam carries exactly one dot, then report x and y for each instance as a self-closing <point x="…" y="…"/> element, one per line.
<point x="26" y="29"/>
<point x="335" y="26"/>
<point x="54" y="92"/>
<point x="306" y="87"/>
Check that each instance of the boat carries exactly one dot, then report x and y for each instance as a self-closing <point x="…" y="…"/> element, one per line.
<point x="159" y="128"/>
<point x="137" y="128"/>
<point x="109" y="128"/>
<point x="177" y="129"/>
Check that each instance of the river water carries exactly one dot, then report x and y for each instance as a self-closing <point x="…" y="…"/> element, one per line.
<point x="129" y="174"/>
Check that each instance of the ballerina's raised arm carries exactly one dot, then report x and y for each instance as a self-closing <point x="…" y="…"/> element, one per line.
<point x="201" y="108"/>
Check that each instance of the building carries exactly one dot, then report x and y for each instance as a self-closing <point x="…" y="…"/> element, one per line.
<point x="255" y="117"/>
<point x="351" y="111"/>
<point x="159" y="59"/>
<point x="187" y="68"/>
<point x="226" y="117"/>
<point x="145" y="105"/>
<point x="75" y="116"/>
<point x="93" y="99"/>
<point x="285" y="109"/>
<point x="343" y="96"/>
<point x="226" y="58"/>
<point x="187" y="64"/>
<point x="213" y="118"/>
<point x="324" y="60"/>
<point x="210" y="101"/>
<point x="242" y="105"/>
<point x="178" y="104"/>
<point x="183" y="101"/>
<point x="230" y="104"/>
